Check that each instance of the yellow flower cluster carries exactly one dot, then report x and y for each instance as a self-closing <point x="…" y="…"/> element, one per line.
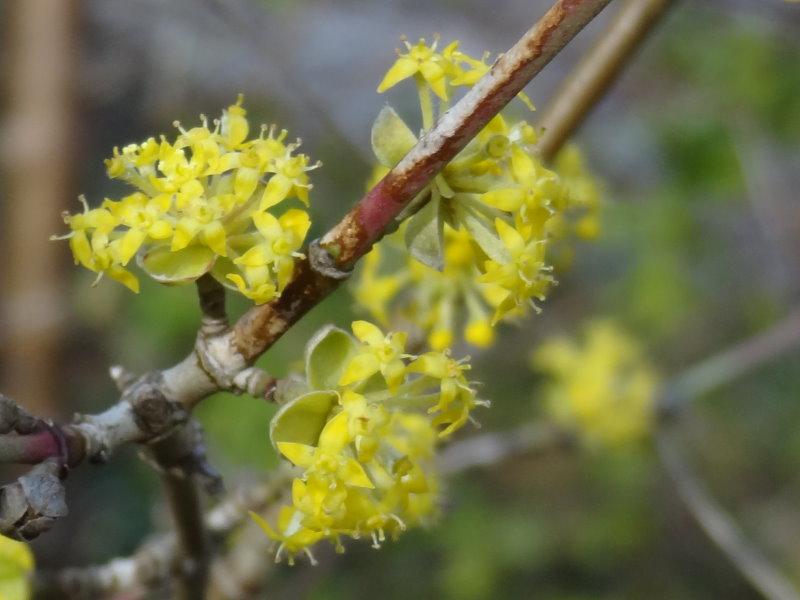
<point x="363" y="432"/>
<point x="603" y="387"/>
<point x="438" y="70"/>
<point x="16" y="566"/>
<point x="202" y="204"/>
<point x="480" y="242"/>
<point x="432" y="300"/>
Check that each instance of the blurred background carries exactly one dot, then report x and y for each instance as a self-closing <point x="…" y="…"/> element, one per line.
<point x="698" y="148"/>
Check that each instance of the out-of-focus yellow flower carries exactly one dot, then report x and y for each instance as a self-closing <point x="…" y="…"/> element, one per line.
<point x="364" y="442"/>
<point x="16" y="566"/>
<point x="201" y="206"/>
<point x="578" y="216"/>
<point x="603" y="387"/>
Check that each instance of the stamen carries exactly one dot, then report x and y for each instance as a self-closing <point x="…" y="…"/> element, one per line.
<point x="311" y="558"/>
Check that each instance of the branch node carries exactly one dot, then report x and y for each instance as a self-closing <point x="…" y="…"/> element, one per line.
<point x="254" y="381"/>
<point x="220" y="360"/>
<point x="183" y="455"/>
<point x="154" y="414"/>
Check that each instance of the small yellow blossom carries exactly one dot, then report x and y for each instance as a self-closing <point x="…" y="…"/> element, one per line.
<point x="201" y="206"/>
<point x="603" y="387"/>
<point x="378" y="353"/>
<point x="419" y="59"/>
<point x="577" y="215"/>
<point x="364" y="443"/>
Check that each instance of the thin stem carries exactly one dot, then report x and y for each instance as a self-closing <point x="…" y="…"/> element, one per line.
<point x="720" y="527"/>
<point x="183" y="499"/>
<point x="734" y="362"/>
<point x="598" y="70"/>
<point x="425" y="102"/>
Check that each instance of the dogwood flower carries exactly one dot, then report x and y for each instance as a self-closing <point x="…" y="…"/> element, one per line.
<point x="601" y="386"/>
<point x="364" y="446"/>
<point x="202" y="205"/>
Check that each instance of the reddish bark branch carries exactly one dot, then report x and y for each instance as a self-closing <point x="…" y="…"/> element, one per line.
<point x="29" y="449"/>
<point x="376" y="212"/>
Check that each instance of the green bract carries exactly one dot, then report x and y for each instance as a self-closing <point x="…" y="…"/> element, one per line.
<point x="391" y="137"/>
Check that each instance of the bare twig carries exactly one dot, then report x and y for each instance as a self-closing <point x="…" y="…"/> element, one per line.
<point x="598" y="70"/>
<point x="181" y="460"/>
<point x="492" y="448"/>
<point x="693" y="383"/>
<point x="733" y="363"/>
<point x="720" y="527"/>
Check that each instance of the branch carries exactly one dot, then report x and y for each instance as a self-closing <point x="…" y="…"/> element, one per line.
<point x="155" y="405"/>
<point x="597" y="72"/>
<point x="153" y="564"/>
<point x="732" y="363"/>
<point x="493" y="448"/>
<point x="720" y="527"/>
<point x="330" y="261"/>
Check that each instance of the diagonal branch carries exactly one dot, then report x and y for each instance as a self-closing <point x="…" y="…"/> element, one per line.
<point x="597" y="72"/>
<point x="157" y="405"/>
<point x="720" y="527"/>
<point x="732" y="363"/>
<point x="375" y="214"/>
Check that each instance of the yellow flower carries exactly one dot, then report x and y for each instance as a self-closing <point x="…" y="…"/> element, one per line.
<point x="365" y="447"/>
<point x="456" y="397"/>
<point x="374" y="291"/>
<point x="16" y="566"/>
<point x="201" y="206"/>
<point x="419" y="59"/>
<point x="271" y="261"/>
<point x="482" y="242"/>
<point x="603" y="387"/>
<point x="379" y="353"/>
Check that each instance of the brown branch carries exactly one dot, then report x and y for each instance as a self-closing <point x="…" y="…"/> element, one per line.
<point x="182" y="463"/>
<point x="317" y="275"/>
<point x="598" y="70"/>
